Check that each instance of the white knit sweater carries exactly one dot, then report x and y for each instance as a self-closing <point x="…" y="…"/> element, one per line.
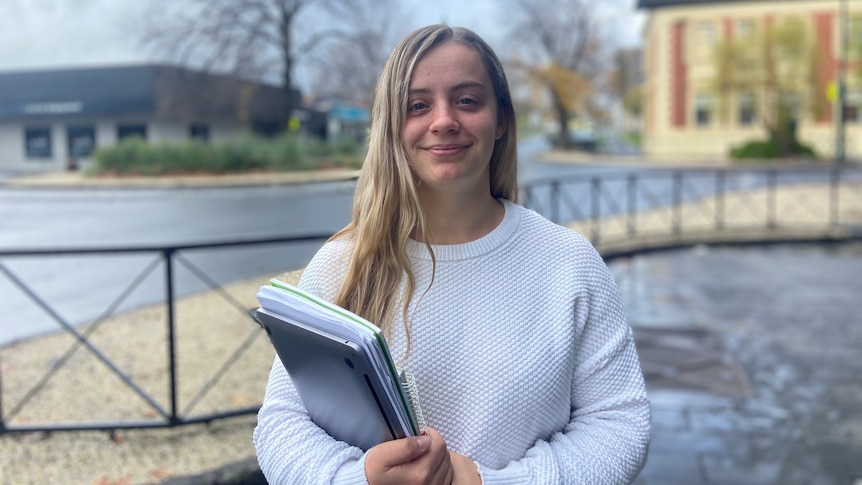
<point x="523" y="358"/>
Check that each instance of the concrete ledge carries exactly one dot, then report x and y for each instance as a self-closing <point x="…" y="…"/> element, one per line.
<point x="80" y="180"/>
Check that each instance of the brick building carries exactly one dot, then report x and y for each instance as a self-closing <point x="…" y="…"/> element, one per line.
<point x="683" y="115"/>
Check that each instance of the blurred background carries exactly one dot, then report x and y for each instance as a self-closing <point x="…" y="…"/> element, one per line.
<point x="672" y="125"/>
<point x="668" y="79"/>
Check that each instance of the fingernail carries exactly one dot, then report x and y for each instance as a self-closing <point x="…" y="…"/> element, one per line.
<point x="424" y="442"/>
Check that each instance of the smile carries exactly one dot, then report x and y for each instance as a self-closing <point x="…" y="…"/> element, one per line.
<point x="446" y="150"/>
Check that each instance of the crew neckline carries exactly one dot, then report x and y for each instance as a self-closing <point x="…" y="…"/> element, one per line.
<point x="471" y="249"/>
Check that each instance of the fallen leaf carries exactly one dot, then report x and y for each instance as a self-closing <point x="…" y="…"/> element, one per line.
<point x="161" y="473"/>
<point x="126" y="480"/>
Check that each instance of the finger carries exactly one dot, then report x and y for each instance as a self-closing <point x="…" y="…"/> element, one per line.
<point x="441" y="466"/>
<point x="445" y="472"/>
<point x="396" y="452"/>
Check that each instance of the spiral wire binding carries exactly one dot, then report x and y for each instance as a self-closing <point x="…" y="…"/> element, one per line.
<point x="413" y="395"/>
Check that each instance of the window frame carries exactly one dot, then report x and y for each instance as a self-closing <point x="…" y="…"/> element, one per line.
<point x="746" y="100"/>
<point x="32" y="132"/>
<point x="199" y="132"/>
<point x="128" y="130"/>
<point x="704" y="110"/>
<point x="81" y="129"/>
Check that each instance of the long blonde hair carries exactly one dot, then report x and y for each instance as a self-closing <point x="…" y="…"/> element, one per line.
<point x="386" y="207"/>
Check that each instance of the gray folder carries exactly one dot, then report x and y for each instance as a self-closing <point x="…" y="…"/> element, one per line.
<point x="335" y="380"/>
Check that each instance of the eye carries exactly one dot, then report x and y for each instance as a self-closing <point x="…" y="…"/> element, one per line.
<point x="467" y="101"/>
<point x="417" y="106"/>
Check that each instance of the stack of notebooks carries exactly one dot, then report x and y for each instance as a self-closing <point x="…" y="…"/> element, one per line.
<point x="341" y="367"/>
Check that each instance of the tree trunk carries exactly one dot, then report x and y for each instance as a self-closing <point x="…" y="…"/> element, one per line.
<point x="563" y="117"/>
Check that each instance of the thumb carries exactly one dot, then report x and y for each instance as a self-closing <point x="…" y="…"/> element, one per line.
<point x="405" y="450"/>
<point x="416" y="446"/>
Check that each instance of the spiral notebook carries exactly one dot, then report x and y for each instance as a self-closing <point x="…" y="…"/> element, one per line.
<point x="341" y="367"/>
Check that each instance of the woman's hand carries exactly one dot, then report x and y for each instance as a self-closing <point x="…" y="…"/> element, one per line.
<point x="466" y="472"/>
<point x="419" y="460"/>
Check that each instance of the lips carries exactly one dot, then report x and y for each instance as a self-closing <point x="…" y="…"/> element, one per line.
<point x="446" y="150"/>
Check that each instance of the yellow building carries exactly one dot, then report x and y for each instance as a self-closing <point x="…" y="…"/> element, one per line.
<point x="686" y="115"/>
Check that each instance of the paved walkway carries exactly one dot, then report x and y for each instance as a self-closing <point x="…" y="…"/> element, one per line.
<point x="751" y="357"/>
<point x="751" y="361"/>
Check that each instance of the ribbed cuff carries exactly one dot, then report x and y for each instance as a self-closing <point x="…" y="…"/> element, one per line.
<point x="513" y="474"/>
<point x="351" y="473"/>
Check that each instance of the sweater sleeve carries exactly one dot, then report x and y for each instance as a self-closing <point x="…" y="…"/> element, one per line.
<point x="607" y="437"/>
<point x="290" y="447"/>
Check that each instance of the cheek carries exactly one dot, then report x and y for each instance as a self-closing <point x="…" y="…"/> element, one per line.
<point x="409" y="135"/>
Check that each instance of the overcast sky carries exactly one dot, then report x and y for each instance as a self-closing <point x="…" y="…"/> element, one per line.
<point x="45" y="34"/>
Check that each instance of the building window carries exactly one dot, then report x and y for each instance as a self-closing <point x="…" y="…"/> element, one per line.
<point x="704" y="41"/>
<point x="82" y="140"/>
<point x="703" y="109"/>
<point x="199" y="132"/>
<point x="37" y="142"/>
<point x="746" y="109"/>
<point x="745" y="29"/>
<point x="126" y="131"/>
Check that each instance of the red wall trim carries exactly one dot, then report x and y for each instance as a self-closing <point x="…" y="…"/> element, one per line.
<point x="678" y="85"/>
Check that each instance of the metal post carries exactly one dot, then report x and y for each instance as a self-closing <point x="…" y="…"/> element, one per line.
<point x="632" y="204"/>
<point x="555" y="201"/>
<point x="172" y="361"/>
<point x="719" y="199"/>
<point x="677" y="203"/>
<point x="834" y="188"/>
<point x="771" y="193"/>
<point x="595" y="209"/>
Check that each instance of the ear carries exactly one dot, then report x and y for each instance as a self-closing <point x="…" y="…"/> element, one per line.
<point x="500" y="130"/>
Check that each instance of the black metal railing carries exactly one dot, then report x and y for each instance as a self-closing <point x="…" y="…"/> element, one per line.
<point x="621" y="213"/>
<point x="169" y="258"/>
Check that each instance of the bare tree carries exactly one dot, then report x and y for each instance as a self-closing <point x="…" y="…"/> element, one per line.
<point x="349" y="65"/>
<point x="566" y="54"/>
<point x="257" y="39"/>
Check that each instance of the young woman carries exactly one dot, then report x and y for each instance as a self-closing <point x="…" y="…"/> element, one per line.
<point x="512" y="325"/>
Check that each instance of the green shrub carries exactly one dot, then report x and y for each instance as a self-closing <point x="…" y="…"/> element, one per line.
<point x="134" y="156"/>
<point x="769" y="149"/>
<point x="121" y="158"/>
<point x="286" y="153"/>
<point x="240" y="154"/>
<point x="632" y="138"/>
<point x="317" y="147"/>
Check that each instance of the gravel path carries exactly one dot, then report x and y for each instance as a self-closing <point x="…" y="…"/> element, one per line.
<point x="209" y="331"/>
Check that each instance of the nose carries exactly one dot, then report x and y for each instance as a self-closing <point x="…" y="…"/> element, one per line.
<point x="444" y="119"/>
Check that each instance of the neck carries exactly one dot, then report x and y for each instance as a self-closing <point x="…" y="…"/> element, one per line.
<point x="457" y="220"/>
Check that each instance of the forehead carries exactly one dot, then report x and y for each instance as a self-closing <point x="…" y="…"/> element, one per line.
<point x="449" y="62"/>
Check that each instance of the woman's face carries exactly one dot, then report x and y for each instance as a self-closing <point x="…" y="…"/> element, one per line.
<point x="452" y="121"/>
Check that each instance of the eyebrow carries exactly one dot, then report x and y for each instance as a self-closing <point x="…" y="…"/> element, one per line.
<point x="457" y="87"/>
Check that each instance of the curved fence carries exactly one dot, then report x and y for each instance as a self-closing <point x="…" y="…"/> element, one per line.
<point x="625" y="213"/>
<point x="195" y="356"/>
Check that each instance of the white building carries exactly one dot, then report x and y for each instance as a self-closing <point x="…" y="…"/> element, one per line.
<point x="55" y="120"/>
